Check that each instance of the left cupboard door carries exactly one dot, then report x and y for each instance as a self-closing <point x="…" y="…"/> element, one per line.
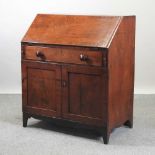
<point x="41" y="88"/>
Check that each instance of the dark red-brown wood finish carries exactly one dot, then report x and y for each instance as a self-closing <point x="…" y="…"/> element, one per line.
<point x="79" y="69"/>
<point x="79" y="102"/>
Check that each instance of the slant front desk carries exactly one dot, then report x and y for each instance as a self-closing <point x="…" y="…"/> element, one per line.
<point x="79" y="69"/>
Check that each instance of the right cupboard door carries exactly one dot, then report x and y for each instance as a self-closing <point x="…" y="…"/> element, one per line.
<point x="84" y="94"/>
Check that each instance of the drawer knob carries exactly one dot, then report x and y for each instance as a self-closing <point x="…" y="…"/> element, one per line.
<point x="40" y="54"/>
<point x="83" y="57"/>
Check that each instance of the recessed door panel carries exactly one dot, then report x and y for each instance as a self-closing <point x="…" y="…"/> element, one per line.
<point x="84" y="97"/>
<point x="43" y="88"/>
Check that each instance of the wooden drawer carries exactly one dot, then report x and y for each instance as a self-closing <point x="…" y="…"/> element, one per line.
<point x="74" y="55"/>
<point x="83" y="56"/>
<point x="42" y="53"/>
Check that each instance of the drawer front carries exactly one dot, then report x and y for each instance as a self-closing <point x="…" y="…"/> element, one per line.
<point x="42" y="53"/>
<point x="83" y="56"/>
<point x="73" y="55"/>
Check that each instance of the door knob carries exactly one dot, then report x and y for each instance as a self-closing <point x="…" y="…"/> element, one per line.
<point x="64" y="83"/>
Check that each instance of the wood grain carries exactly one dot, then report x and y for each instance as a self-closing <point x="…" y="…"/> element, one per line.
<point x="42" y="88"/>
<point x="64" y="55"/>
<point x="91" y="31"/>
<point x="121" y="74"/>
<point x="80" y="69"/>
<point x="79" y="98"/>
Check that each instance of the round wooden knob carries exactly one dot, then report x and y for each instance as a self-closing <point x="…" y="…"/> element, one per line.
<point x="40" y="54"/>
<point x="83" y="57"/>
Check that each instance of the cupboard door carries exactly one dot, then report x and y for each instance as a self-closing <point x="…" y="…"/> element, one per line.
<point x="41" y="88"/>
<point x="84" y="94"/>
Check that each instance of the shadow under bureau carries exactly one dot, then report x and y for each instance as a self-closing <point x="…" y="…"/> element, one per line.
<point x="79" y="69"/>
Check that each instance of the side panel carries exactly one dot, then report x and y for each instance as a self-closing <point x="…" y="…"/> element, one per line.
<point x="121" y="74"/>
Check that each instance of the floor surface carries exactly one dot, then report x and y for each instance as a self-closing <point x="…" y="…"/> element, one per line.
<point x="42" y="138"/>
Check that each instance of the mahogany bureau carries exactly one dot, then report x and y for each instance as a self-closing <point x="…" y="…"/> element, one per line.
<point x="79" y="69"/>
